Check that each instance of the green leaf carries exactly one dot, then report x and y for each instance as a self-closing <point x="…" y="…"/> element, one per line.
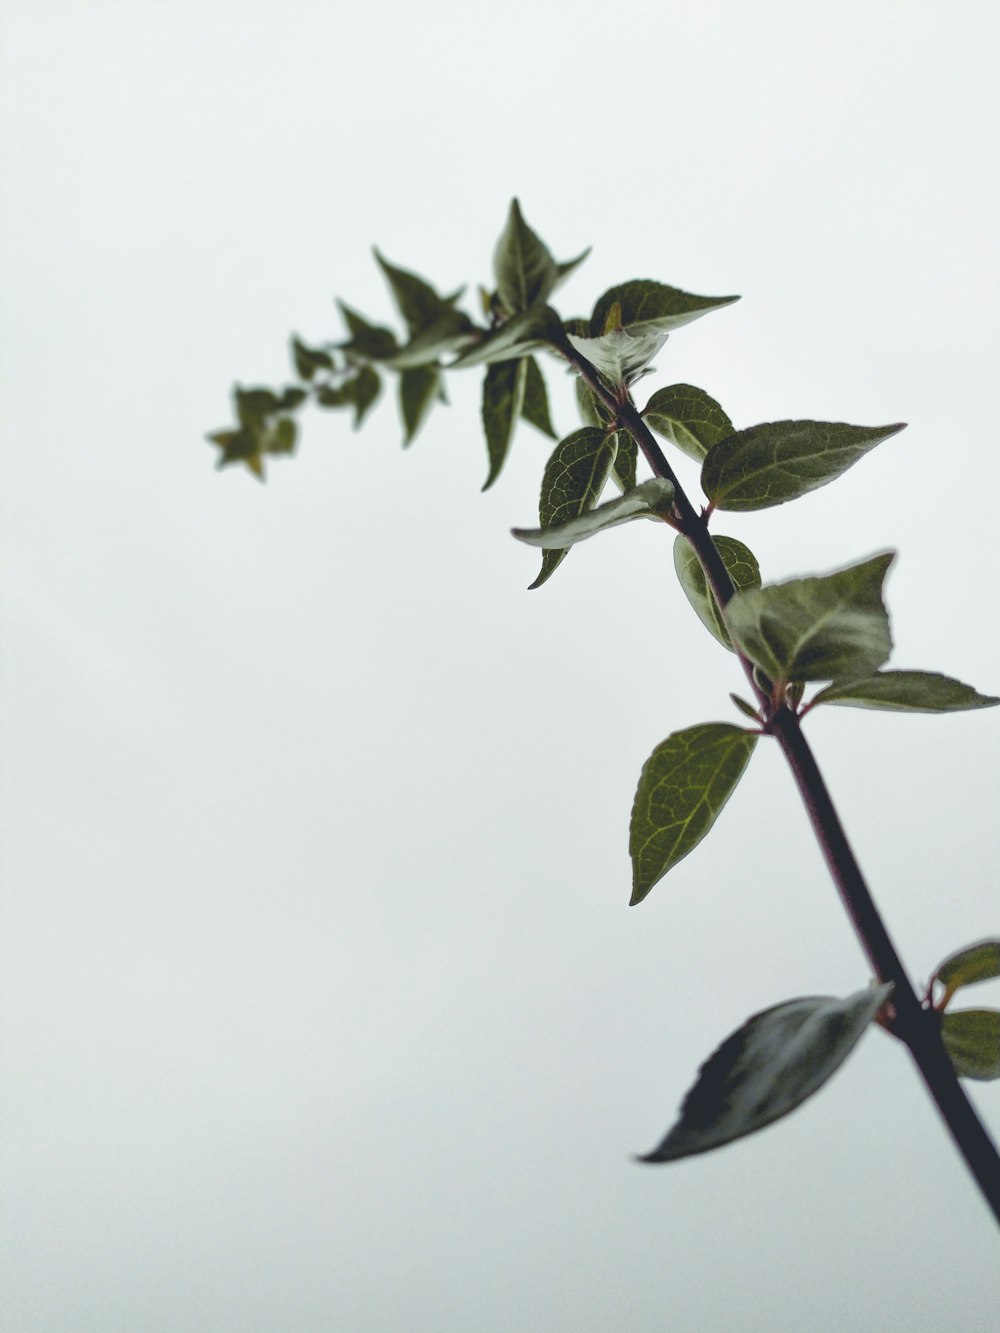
<point x="650" y="500"/>
<point x="781" y="460"/>
<point x="503" y="399"/>
<point x="767" y="1068"/>
<point x="828" y="628"/>
<point x="525" y="271"/>
<point x="564" y="270"/>
<point x="446" y="335"/>
<point x="592" y="412"/>
<point x="418" y="390"/>
<point x="972" y="1039"/>
<point x="535" y="407"/>
<point x="687" y="417"/>
<point x="572" y="483"/>
<point x="626" y="459"/>
<point x="418" y="302"/>
<point x="684" y="784"/>
<point x="619" y="354"/>
<point x="281" y="438"/>
<point x="520" y="336"/>
<point x="743" y="569"/>
<point x="253" y="405"/>
<point x="976" y="962"/>
<point x="308" y="360"/>
<point x="648" y="307"/>
<point x="239" y="446"/>
<point x="292" y="397"/>
<point x="371" y="341"/>
<point x="366" y="387"/>
<point x="906" y="692"/>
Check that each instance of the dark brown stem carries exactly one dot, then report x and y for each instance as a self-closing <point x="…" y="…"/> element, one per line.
<point x="918" y="1027"/>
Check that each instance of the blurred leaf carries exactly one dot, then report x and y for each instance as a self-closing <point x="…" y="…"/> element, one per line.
<point x="743" y="569"/>
<point x="684" y="784"/>
<point x="592" y="412"/>
<point x="446" y="335"/>
<point x="418" y="302"/>
<point x="828" y="628"/>
<point x="372" y="341"/>
<point x="746" y="709"/>
<point x="366" y="388"/>
<point x="525" y="270"/>
<point x="239" y="446"/>
<point x="650" y="307"/>
<point x="535" y="407"/>
<point x="292" y="397"/>
<point x="650" y="500"/>
<point x="308" y="360"/>
<point x="976" y="962"/>
<point x="418" y="390"/>
<point x="626" y="459"/>
<point x="906" y="692"/>
<point x="972" y="1039"/>
<point x="281" y="438"/>
<point x="253" y="405"/>
<point x="574" y="478"/>
<point x="564" y="270"/>
<point x="781" y="460"/>
<point x="520" y="336"/>
<point x="503" y="399"/>
<point x="687" y="417"/>
<point x="767" y="1068"/>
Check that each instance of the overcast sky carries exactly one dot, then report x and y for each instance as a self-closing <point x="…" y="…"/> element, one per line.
<point x="324" y="1008"/>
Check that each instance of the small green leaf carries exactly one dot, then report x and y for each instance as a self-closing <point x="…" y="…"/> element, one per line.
<point x="525" y="271"/>
<point x="906" y="692"/>
<point x="976" y="962"/>
<point x="503" y="399"/>
<point x="828" y="628"/>
<point x="684" y="784"/>
<point x="418" y="390"/>
<point x="746" y="709"/>
<point x="767" y="1068"/>
<point x="743" y="569"/>
<point x="621" y="353"/>
<point x="650" y="500"/>
<point x="292" y="397"/>
<point x="239" y="446"/>
<point x="564" y="270"/>
<point x="280" y="439"/>
<point x="649" y="307"/>
<point x="418" y="302"/>
<point x="520" y="336"/>
<point x="448" y="334"/>
<point x="535" y="408"/>
<point x="972" y="1039"/>
<point x="574" y="478"/>
<point x="308" y="360"/>
<point x="366" y="387"/>
<point x="781" y="460"/>
<point x="368" y="340"/>
<point x="253" y="405"/>
<point x="687" y="417"/>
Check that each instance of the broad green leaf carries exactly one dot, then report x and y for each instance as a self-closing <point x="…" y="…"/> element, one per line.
<point x="650" y="500"/>
<point x="684" y="784"/>
<point x="781" y="460"/>
<point x="372" y="341"/>
<point x="418" y="390"/>
<point x="574" y="478"/>
<point x="448" y="334"/>
<point x="418" y="302"/>
<point x="976" y="962"/>
<point x="520" y="336"/>
<point x="743" y="569"/>
<point x="972" y="1039"/>
<point x="525" y="270"/>
<point x="308" y="360"/>
<point x="687" y="417"/>
<point x="767" y="1068"/>
<point x="503" y="399"/>
<point x="828" y="628"/>
<point x="620" y="353"/>
<point x="906" y="692"/>
<point x="648" y="307"/>
<point x="535" y="407"/>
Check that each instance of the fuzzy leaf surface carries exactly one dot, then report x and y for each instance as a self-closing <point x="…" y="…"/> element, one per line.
<point x="827" y="628"/>
<point x="572" y="483"/>
<point x="972" y="1039"/>
<point x="683" y="786"/>
<point x="907" y="692"/>
<point x="503" y="399"/>
<point x="688" y="417"/>
<point x="646" y="501"/>
<point x="767" y="1068"/>
<point x="781" y="460"/>
<point x="743" y="569"/>
<point x="525" y="271"/>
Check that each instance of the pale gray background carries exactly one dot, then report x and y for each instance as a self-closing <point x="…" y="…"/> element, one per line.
<point x="324" y="1008"/>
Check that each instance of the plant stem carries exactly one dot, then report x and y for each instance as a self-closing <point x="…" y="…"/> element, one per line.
<point x="919" y="1028"/>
